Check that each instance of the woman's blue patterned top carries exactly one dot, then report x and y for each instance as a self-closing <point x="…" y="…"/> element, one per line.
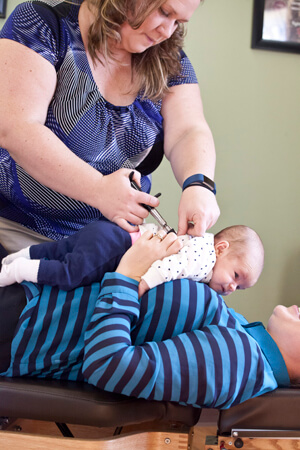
<point x="106" y="136"/>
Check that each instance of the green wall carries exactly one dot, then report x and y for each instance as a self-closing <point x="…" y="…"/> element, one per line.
<point x="252" y="103"/>
<point x="11" y="4"/>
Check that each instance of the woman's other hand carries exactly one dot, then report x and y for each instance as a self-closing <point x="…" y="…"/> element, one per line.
<point x="120" y="203"/>
<point x="198" y="211"/>
<point x="147" y="249"/>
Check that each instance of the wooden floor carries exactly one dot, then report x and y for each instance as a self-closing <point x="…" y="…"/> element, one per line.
<point x="206" y="426"/>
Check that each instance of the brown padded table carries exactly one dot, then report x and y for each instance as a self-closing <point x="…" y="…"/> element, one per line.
<point x="152" y="425"/>
<point x="277" y="411"/>
<point x="84" y="404"/>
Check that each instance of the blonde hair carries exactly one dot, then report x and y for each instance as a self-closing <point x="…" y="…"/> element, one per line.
<point x="243" y="242"/>
<point x="156" y="65"/>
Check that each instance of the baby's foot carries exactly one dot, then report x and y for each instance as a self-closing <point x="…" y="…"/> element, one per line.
<point x="19" y="270"/>
<point x="9" y="272"/>
<point x="24" y="253"/>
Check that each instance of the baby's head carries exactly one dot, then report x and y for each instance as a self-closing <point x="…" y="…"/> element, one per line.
<point x="239" y="259"/>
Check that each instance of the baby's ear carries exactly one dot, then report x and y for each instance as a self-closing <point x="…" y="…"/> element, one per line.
<point x="220" y="247"/>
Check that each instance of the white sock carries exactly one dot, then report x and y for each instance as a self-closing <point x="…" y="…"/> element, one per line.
<point x="24" y="253"/>
<point x="19" y="270"/>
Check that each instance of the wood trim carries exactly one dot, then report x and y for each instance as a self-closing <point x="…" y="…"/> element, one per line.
<point x="143" y="440"/>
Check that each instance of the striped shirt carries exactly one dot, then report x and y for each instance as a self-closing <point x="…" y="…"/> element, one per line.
<point x="105" y="136"/>
<point x="179" y="343"/>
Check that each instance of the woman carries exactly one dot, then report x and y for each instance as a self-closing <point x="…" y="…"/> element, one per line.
<point x="180" y="342"/>
<point x="89" y="90"/>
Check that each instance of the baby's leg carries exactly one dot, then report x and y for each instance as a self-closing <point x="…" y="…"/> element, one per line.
<point x="55" y="250"/>
<point x="97" y="249"/>
<point x="24" y="253"/>
<point x="21" y="269"/>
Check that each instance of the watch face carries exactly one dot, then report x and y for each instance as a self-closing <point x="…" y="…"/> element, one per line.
<point x="209" y="182"/>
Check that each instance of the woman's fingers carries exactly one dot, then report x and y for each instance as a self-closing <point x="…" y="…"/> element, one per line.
<point x="119" y="201"/>
<point x="168" y="244"/>
<point x="160" y="235"/>
<point x="175" y="245"/>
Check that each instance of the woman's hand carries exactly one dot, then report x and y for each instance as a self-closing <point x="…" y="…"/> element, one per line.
<point x="120" y="203"/>
<point x="147" y="249"/>
<point x="199" y="206"/>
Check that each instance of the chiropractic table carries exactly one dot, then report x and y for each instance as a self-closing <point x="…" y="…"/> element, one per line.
<point x="269" y="422"/>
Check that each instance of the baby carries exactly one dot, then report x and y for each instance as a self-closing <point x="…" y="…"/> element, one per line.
<point x="230" y="260"/>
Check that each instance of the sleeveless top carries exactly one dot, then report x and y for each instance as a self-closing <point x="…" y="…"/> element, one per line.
<point x="106" y="136"/>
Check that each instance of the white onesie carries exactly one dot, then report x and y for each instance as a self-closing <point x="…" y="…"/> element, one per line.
<point x="195" y="260"/>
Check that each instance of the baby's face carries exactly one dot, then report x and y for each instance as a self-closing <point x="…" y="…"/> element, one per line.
<point x="229" y="274"/>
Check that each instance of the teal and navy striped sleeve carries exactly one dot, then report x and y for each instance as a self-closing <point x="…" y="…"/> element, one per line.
<point x="218" y="365"/>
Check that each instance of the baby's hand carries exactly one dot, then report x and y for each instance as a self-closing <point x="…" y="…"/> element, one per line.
<point x="143" y="288"/>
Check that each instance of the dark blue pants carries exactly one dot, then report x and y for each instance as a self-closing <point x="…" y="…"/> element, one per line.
<point x="82" y="258"/>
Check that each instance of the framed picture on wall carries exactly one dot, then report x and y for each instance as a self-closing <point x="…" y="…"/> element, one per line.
<point x="2" y="8"/>
<point x="276" y="25"/>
